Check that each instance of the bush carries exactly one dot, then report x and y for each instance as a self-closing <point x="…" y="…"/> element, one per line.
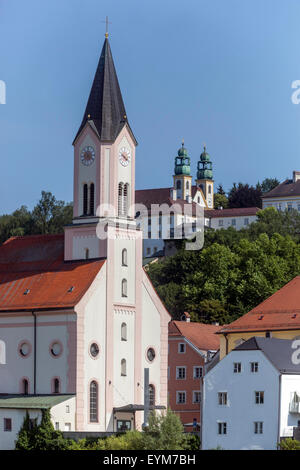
<point x="289" y="444"/>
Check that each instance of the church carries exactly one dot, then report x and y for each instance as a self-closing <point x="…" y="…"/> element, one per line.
<point x="79" y="317"/>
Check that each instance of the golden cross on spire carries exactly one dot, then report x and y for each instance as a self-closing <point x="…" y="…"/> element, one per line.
<point x="106" y="26"/>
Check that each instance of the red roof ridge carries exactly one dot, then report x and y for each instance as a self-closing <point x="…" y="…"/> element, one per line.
<point x="38" y="235"/>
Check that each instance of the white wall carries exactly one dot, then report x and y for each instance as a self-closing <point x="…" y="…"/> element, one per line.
<point x="282" y="203"/>
<point x="289" y="385"/>
<point x="227" y="222"/>
<point x="241" y="411"/>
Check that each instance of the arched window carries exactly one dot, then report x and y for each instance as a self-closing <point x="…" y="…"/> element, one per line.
<point x="209" y="189"/>
<point x="178" y="184"/>
<point x="124" y="287"/>
<point x="2" y="352"/>
<point x="85" y="199"/>
<point x="25" y="386"/>
<point x="187" y="185"/>
<point x="124" y="257"/>
<point x="92" y="199"/>
<point x="94" y="402"/>
<point x="123" y="332"/>
<point x="56" y="385"/>
<point x="151" y="395"/>
<point x="123" y="368"/>
<point x="120" y="199"/>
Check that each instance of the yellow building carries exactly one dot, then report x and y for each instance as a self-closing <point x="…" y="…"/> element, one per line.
<point x="277" y="317"/>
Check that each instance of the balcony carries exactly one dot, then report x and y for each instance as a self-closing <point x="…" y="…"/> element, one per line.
<point x="294" y="407"/>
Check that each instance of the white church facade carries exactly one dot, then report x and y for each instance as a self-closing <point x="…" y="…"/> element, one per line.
<point x="79" y="318"/>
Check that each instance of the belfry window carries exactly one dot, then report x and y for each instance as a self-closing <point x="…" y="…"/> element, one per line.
<point x="92" y="199"/>
<point x="94" y="402"/>
<point x="85" y="199"/>
<point x="178" y="184"/>
<point x="120" y="200"/>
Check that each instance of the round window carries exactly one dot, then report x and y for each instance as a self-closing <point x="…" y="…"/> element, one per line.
<point x="94" y="349"/>
<point x="24" y="349"/>
<point x="56" y="349"/>
<point x="151" y="354"/>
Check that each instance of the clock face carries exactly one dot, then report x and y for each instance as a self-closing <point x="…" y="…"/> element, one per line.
<point x="124" y="156"/>
<point x="87" y="156"/>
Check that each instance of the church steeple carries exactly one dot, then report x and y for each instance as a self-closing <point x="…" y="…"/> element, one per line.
<point x="105" y="109"/>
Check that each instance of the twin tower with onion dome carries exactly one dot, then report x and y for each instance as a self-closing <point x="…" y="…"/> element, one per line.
<point x="183" y="179"/>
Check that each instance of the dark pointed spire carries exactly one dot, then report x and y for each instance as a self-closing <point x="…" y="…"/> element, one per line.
<point x="105" y="109"/>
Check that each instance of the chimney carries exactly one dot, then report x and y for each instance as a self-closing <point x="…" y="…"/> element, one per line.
<point x="296" y="176"/>
<point x="185" y="317"/>
<point x="173" y="194"/>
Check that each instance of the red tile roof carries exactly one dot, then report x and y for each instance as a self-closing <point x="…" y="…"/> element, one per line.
<point x="202" y="335"/>
<point x="288" y="188"/>
<point x="238" y="212"/>
<point x="160" y="196"/>
<point x="281" y="311"/>
<point x="35" y="264"/>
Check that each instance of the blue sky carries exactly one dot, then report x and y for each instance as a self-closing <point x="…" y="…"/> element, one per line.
<point x="209" y="71"/>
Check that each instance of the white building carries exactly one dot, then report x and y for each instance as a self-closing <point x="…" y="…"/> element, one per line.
<point x="79" y="318"/>
<point x="285" y="196"/>
<point x="237" y="218"/>
<point x="251" y="398"/>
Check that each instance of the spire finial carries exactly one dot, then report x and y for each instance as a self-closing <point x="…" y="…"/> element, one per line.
<point x="182" y="142"/>
<point x="106" y="26"/>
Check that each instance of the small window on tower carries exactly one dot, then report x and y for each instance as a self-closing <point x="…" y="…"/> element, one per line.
<point x="209" y="189"/>
<point x="124" y="257"/>
<point x="124" y="288"/>
<point x="85" y="199"/>
<point x="178" y="184"/>
<point x="92" y="199"/>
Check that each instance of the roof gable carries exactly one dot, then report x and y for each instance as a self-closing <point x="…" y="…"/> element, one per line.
<point x="201" y="335"/>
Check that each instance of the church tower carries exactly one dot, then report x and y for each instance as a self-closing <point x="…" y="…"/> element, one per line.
<point x="205" y="178"/>
<point x="182" y="177"/>
<point x="104" y="166"/>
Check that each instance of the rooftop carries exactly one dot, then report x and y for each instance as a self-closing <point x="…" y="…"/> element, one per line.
<point x="278" y="351"/>
<point x="280" y="311"/>
<point x="32" y="401"/>
<point x="288" y="188"/>
<point x="201" y="335"/>
<point x="34" y="275"/>
<point x="237" y="212"/>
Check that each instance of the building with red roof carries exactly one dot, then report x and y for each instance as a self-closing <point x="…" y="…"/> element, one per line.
<point x="278" y="316"/>
<point x="79" y="318"/>
<point x="191" y="347"/>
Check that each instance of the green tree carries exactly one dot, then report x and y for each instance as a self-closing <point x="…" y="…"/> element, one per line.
<point x="243" y="195"/>
<point x="289" y="444"/>
<point x="165" y="432"/>
<point x="50" y="215"/>
<point x="268" y="184"/>
<point x="220" y="200"/>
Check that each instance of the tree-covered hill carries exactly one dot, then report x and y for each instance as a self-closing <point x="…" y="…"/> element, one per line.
<point x="235" y="271"/>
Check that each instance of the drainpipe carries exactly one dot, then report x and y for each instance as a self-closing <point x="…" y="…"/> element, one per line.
<point x="226" y="339"/>
<point x="34" y="353"/>
<point x="279" y="409"/>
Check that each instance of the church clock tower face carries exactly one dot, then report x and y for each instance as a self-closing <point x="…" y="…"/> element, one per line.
<point x="124" y="156"/>
<point x="87" y="155"/>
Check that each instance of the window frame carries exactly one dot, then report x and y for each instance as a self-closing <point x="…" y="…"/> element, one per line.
<point x="178" y="368"/>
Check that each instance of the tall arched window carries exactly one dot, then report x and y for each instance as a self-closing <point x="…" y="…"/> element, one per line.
<point x="151" y="395"/>
<point x="178" y="184"/>
<point x="124" y="287"/>
<point x="209" y="189"/>
<point x="56" y="385"/>
<point x="25" y="386"/>
<point x="124" y="257"/>
<point x="85" y="199"/>
<point x="2" y="352"/>
<point x="92" y="199"/>
<point x="187" y="185"/>
<point x="123" y="332"/>
<point x="94" y="402"/>
<point x="123" y="368"/>
<point x="120" y="199"/>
